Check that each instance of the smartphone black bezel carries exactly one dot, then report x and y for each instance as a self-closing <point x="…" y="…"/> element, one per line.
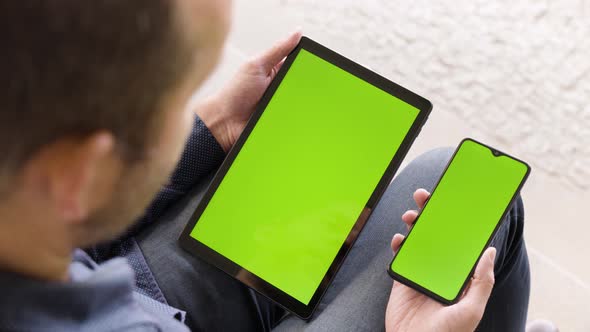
<point x="428" y="292"/>
<point x="251" y="280"/>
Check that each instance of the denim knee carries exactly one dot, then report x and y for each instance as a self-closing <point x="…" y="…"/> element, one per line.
<point x="430" y="163"/>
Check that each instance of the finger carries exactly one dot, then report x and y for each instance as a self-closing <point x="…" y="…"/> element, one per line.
<point x="396" y="242"/>
<point x="276" y="69"/>
<point x="421" y="196"/>
<point x="482" y="283"/>
<point x="269" y="59"/>
<point x="409" y="217"/>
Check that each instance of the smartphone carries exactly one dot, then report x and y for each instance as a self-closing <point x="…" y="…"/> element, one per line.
<point x="464" y="211"/>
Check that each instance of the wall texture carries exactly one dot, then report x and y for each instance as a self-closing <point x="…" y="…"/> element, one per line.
<point x="517" y="70"/>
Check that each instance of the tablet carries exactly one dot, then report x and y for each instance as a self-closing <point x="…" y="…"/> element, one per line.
<point x="297" y="187"/>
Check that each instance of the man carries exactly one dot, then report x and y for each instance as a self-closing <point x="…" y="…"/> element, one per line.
<point x="94" y="119"/>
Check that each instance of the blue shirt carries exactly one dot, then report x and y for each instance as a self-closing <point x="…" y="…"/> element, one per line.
<point x="111" y="287"/>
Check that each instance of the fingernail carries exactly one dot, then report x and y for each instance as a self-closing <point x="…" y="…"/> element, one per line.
<point x="291" y="34"/>
<point x="493" y="254"/>
<point x="297" y="31"/>
<point x="422" y="189"/>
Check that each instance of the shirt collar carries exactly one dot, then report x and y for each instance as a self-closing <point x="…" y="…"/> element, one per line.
<point x="26" y="303"/>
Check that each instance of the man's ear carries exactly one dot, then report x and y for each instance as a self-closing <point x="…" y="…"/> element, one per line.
<point x="74" y="176"/>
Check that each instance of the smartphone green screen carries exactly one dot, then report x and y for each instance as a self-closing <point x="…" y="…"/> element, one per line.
<point x="458" y="220"/>
<point x="304" y="174"/>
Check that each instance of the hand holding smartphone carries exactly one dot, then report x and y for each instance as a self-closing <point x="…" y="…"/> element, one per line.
<point x="464" y="211"/>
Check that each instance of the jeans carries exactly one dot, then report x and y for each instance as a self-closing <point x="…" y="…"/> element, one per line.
<point x="357" y="298"/>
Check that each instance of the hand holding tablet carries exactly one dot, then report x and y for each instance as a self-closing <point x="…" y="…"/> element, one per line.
<point x="299" y="184"/>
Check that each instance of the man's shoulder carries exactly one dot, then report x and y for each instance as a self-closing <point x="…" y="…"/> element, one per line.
<point x="97" y="298"/>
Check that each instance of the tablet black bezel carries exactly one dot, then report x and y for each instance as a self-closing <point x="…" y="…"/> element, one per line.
<point x="249" y="279"/>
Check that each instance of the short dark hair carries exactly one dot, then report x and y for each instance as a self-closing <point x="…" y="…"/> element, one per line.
<point x="72" y="67"/>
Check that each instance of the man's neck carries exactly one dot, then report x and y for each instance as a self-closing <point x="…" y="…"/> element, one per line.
<point x="40" y="250"/>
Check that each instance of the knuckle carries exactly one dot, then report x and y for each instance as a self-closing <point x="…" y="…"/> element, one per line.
<point x="251" y="63"/>
<point x="486" y="280"/>
<point x="474" y="314"/>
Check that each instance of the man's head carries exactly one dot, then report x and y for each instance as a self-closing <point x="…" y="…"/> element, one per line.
<point x="93" y="110"/>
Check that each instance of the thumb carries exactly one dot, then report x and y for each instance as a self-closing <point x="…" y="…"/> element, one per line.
<point x="482" y="283"/>
<point x="269" y="59"/>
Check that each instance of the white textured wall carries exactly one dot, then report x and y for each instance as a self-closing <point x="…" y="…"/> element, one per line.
<point x="517" y="70"/>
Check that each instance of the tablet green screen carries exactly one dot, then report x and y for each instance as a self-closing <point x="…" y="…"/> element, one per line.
<point x="300" y="181"/>
<point x="459" y="219"/>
